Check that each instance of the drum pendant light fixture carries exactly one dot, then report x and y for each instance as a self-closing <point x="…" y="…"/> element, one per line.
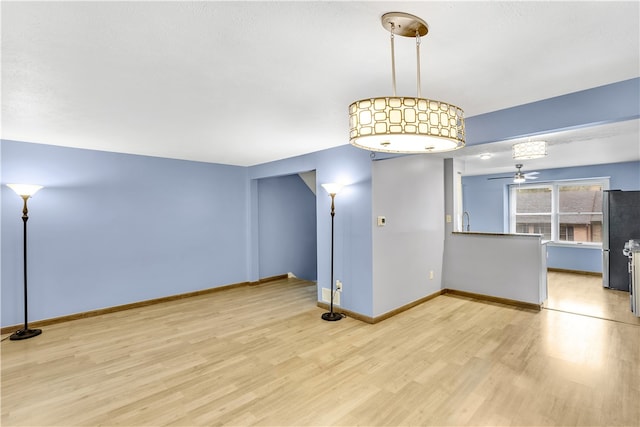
<point x="396" y="124"/>
<point x="529" y="150"/>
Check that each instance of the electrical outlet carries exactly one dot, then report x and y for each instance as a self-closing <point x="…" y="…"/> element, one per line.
<point x="338" y="286"/>
<point x="326" y="296"/>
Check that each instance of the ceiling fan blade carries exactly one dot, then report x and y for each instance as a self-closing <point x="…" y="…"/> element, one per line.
<point x="526" y="176"/>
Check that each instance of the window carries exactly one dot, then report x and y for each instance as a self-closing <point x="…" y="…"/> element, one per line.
<point x="563" y="211"/>
<point x="580" y="212"/>
<point x="533" y="210"/>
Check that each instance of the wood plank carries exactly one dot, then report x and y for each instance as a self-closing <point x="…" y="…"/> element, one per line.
<point x="106" y="310"/>
<point x="262" y="356"/>
<point x="584" y="294"/>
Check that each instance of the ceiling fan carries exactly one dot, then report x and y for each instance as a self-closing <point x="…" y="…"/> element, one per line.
<point x="520" y="176"/>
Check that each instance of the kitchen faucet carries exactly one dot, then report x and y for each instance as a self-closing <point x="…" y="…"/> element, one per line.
<point x="468" y="220"/>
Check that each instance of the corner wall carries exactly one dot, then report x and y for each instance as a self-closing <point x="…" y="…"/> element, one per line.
<point x="353" y="254"/>
<point x="407" y="251"/>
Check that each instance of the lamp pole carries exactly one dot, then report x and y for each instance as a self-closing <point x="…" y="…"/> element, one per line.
<point x="25" y="191"/>
<point x="332" y="189"/>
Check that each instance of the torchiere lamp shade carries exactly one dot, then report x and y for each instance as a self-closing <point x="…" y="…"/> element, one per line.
<point x="25" y="190"/>
<point x="332" y="188"/>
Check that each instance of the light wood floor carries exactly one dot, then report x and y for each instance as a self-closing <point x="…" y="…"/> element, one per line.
<point x="263" y="356"/>
<point x="582" y="294"/>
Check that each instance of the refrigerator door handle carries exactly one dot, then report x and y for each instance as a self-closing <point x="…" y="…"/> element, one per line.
<point x="605" y="267"/>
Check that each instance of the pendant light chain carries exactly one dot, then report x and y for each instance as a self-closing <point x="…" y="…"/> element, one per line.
<point x="393" y="60"/>
<point x="418" y="62"/>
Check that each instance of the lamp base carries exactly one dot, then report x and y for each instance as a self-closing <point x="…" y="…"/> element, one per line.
<point x="331" y="316"/>
<point x="23" y="334"/>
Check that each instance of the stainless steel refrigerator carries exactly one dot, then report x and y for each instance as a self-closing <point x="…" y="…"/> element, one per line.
<point x="620" y="223"/>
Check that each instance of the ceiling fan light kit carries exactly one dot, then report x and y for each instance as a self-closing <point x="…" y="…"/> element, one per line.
<point x="529" y="150"/>
<point x="396" y="124"/>
<point x="520" y="176"/>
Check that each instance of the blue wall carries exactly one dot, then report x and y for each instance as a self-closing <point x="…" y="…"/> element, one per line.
<point x="604" y="104"/>
<point x="353" y="250"/>
<point x="487" y="202"/>
<point x="287" y="227"/>
<point x="110" y="229"/>
<point x="578" y="259"/>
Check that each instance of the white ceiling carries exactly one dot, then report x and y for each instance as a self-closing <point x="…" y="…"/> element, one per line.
<point x="245" y="83"/>
<point x="607" y="143"/>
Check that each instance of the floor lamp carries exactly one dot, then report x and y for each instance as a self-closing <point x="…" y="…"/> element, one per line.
<point x="25" y="191"/>
<point x="332" y="189"/>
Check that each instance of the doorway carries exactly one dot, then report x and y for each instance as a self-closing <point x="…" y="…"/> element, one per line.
<point x="287" y="240"/>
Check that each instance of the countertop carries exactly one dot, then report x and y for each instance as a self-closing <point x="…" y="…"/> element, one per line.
<point x="477" y="233"/>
